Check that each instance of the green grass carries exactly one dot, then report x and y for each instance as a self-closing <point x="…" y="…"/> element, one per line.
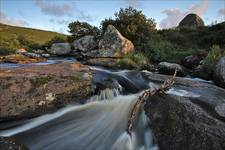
<point x="41" y="80"/>
<point x="10" y="38"/>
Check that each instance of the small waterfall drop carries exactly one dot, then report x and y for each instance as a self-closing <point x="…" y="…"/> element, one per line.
<point x="97" y="125"/>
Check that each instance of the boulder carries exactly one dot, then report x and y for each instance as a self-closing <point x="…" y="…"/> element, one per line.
<point x="191" y="61"/>
<point x="85" y="43"/>
<point x="190" y="116"/>
<point x="36" y="90"/>
<point x="191" y="21"/>
<point x="60" y="49"/>
<point x="219" y="73"/>
<point x="113" y="44"/>
<point x="169" y="68"/>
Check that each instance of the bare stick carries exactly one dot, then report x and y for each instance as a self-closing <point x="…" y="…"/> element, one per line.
<point x="141" y="99"/>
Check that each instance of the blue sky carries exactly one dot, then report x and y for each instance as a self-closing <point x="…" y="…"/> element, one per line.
<point x="55" y="15"/>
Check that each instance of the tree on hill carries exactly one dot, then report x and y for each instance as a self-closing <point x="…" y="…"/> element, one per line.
<point x="79" y="29"/>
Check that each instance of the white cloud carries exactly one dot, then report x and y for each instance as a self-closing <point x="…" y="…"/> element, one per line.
<point x="53" y="9"/>
<point x="175" y="15"/>
<point x="62" y="10"/>
<point x="10" y="21"/>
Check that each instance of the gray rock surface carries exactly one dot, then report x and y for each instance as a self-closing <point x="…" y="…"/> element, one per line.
<point x="85" y="43"/>
<point x="60" y="49"/>
<point x="113" y="44"/>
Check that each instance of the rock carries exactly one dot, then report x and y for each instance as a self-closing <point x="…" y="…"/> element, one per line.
<point x="60" y="49"/>
<point x="32" y="55"/>
<point x="85" y="43"/>
<point x="22" y="58"/>
<point x="219" y="73"/>
<point x="191" y="21"/>
<point x="192" y="122"/>
<point x="35" y="90"/>
<point x="169" y="68"/>
<point x="113" y="44"/>
<point x="21" y="51"/>
<point x="45" y="55"/>
<point x="202" y="72"/>
<point x="10" y="144"/>
<point x="191" y="61"/>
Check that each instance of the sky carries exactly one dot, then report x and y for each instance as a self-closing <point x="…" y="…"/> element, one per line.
<point x="55" y="15"/>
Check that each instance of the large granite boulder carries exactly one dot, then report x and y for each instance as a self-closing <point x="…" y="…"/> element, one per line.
<point x="191" y="21"/>
<point x="113" y="44"/>
<point x="191" y="61"/>
<point x="85" y="43"/>
<point x="190" y="116"/>
<point x="60" y="49"/>
<point x="35" y="90"/>
<point x="219" y="73"/>
<point x="169" y="68"/>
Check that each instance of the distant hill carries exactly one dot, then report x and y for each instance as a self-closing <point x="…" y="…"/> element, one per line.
<point x="13" y="37"/>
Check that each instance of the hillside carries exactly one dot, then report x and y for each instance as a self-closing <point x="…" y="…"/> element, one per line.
<point x="13" y="37"/>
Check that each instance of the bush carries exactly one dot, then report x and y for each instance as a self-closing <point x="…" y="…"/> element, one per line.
<point x="212" y="58"/>
<point x="137" y="57"/>
<point x="56" y="39"/>
<point x="80" y="29"/>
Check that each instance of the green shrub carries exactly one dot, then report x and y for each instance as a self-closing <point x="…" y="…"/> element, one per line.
<point x="213" y="57"/>
<point x="56" y="39"/>
<point x="138" y="58"/>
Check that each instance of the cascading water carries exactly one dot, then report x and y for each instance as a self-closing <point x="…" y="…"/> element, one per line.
<point x="100" y="124"/>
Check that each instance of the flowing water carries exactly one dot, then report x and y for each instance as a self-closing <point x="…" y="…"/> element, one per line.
<point x="99" y="124"/>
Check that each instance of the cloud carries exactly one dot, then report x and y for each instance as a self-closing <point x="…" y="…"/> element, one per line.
<point x="221" y="12"/>
<point x="54" y="9"/>
<point x="10" y="21"/>
<point x="175" y="15"/>
<point x="133" y="3"/>
<point x="67" y="9"/>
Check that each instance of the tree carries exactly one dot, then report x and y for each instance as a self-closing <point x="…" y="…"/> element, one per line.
<point x="79" y="29"/>
<point x="133" y="24"/>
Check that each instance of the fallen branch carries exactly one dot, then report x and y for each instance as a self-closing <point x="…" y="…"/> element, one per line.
<point x="141" y="99"/>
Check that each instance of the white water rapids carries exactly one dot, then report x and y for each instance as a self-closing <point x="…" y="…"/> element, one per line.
<point x="97" y="125"/>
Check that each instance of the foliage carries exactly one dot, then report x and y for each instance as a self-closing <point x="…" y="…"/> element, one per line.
<point x="79" y="29"/>
<point x="56" y="39"/>
<point x="13" y="38"/>
<point x="213" y="57"/>
<point x="41" y="80"/>
<point x="137" y="57"/>
<point x="132" y="24"/>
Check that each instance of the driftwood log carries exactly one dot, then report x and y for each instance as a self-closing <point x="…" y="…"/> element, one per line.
<point x="141" y="100"/>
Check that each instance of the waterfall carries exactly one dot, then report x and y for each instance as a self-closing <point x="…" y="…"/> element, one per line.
<point x="97" y="125"/>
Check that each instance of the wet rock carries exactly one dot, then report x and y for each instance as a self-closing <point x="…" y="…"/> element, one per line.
<point x="85" y="43"/>
<point x="113" y="44"/>
<point x="60" y="49"/>
<point x="36" y="90"/>
<point x="21" y="51"/>
<point x="10" y="144"/>
<point x="219" y="73"/>
<point x="169" y="68"/>
<point x="191" y="61"/>
<point x="194" y="121"/>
